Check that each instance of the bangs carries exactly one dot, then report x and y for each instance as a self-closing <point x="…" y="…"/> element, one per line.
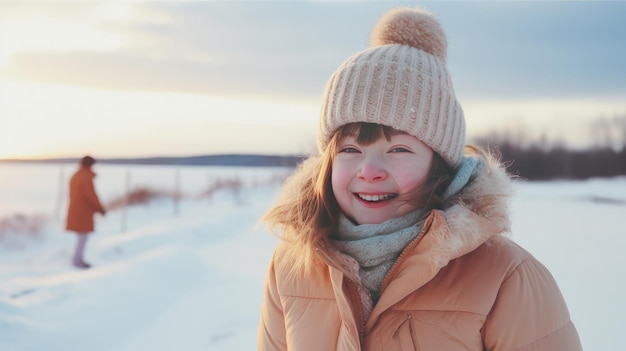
<point x="367" y="133"/>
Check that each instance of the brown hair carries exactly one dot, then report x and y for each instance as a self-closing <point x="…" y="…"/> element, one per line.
<point x="307" y="211"/>
<point x="87" y="161"/>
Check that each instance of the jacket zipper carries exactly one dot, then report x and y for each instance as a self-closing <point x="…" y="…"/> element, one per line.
<point x="356" y="299"/>
<point x="354" y="292"/>
<point x="393" y="268"/>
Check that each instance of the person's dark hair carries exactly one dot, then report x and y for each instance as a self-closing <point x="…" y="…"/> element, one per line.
<point x="87" y="161"/>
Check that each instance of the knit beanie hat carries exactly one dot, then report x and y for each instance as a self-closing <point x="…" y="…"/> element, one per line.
<point x="401" y="81"/>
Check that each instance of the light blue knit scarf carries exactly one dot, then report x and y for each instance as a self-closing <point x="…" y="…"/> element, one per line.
<point x="376" y="247"/>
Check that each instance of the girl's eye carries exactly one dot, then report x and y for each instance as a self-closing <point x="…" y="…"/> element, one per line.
<point x="349" y="150"/>
<point x="399" y="149"/>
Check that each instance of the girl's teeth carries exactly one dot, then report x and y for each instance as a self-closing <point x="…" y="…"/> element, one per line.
<point x="374" y="197"/>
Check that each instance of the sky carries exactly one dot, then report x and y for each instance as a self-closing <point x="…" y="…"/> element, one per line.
<point x="181" y="78"/>
<point x="194" y="281"/>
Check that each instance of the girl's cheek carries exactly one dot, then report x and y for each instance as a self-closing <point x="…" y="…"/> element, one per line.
<point x="337" y="179"/>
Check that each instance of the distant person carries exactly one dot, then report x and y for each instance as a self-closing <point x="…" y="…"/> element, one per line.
<point x="393" y="236"/>
<point x="84" y="203"/>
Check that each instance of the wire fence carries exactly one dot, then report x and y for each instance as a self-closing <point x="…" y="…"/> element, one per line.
<point x="31" y="194"/>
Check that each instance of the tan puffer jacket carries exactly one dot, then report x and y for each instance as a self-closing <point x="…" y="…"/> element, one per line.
<point x="459" y="286"/>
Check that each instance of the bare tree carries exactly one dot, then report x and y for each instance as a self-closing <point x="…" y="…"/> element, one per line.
<point x="620" y="131"/>
<point x="601" y="133"/>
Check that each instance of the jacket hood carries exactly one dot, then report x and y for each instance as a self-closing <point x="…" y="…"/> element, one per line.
<point x="478" y="213"/>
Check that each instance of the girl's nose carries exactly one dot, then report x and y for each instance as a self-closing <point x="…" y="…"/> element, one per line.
<point x="372" y="170"/>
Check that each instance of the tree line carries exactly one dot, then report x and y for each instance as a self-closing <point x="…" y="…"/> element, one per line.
<point x="544" y="160"/>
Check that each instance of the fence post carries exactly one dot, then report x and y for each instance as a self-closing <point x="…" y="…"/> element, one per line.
<point x="57" y="210"/>
<point x="125" y="203"/>
<point x="176" y="192"/>
<point x="210" y="186"/>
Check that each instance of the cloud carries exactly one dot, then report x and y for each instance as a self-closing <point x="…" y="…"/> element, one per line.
<point x="539" y="49"/>
<point x="289" y="49"/>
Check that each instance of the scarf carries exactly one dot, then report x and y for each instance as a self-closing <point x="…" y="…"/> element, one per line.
<point x="376" y="247"/>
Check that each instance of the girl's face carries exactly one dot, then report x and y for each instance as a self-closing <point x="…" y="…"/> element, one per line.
<point x="373" y="183"/>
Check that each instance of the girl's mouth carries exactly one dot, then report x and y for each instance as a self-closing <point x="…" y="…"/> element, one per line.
<point x="376" y="197"/>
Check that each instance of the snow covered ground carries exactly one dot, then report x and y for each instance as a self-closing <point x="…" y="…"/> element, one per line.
<point x="190" y="275"/>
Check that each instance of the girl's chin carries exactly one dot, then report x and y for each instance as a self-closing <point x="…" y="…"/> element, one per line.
<point x="365" y="219"/>
<point x="378" y="217"/>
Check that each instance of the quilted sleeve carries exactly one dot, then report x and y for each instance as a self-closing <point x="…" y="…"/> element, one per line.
<point x="530" y="313"/>
<point x="271" y="334"/>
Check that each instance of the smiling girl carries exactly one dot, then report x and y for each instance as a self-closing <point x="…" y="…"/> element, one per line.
<point x="393" y="236"/>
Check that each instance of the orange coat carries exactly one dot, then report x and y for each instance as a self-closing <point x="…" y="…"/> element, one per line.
<point x="460" y="285"/>
<point x="84" y="202"/>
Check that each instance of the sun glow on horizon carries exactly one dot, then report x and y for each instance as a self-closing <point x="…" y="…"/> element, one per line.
<point x="47" y="120"/>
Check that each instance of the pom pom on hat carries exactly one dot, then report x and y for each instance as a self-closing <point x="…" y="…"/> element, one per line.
<point x="413" y="27"/>
<point x="401" y="81"/>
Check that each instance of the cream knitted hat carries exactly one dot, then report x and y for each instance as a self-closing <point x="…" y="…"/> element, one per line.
<point x="401" y="81"/>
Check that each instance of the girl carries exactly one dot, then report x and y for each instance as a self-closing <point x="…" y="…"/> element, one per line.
<point x="392" y="235"/>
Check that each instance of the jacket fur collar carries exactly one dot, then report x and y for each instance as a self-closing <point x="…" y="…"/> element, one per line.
<point x="478" y="213"/>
